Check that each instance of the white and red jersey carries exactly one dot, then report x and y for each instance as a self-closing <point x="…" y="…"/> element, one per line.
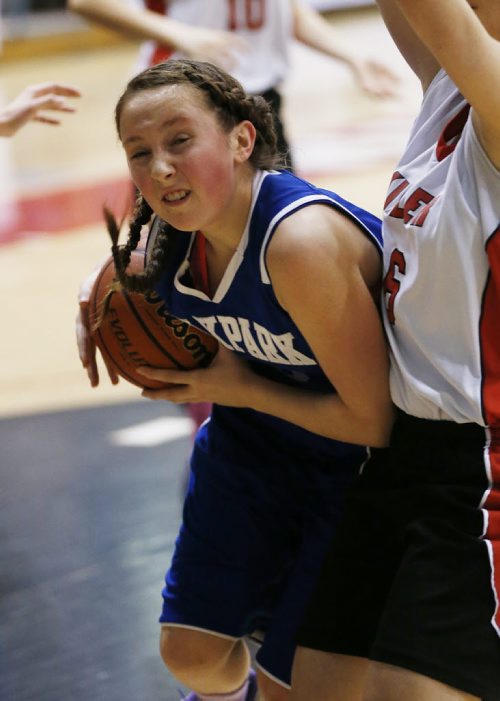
<point x="442" y="267"/>
<point x="267" y="25"/>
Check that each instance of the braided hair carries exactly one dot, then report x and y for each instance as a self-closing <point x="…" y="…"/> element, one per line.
<point x="225" y="96"/>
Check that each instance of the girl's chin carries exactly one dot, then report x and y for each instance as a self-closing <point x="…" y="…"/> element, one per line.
<point x="179" y="223"/>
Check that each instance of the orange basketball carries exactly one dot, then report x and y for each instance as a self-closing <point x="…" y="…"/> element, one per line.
<point x="139" y="330"/>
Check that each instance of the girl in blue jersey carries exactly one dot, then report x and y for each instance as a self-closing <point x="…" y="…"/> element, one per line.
<point x="284" y="275"/>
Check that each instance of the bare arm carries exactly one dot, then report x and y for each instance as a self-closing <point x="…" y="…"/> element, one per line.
<point x="195" y="42"/>
<point x="459" y="41"/>
<point x="322" y="282"/>
<point x="413" y="50"/>
<point x="311" y="29"/>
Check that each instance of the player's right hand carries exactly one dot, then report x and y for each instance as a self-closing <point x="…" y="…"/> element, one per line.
<point x="86" y="344"/>
<point x="214" y="46"/>
<point x="38" y="103"/>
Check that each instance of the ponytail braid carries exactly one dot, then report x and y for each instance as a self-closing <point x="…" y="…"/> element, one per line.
<point x="144" y="281"/>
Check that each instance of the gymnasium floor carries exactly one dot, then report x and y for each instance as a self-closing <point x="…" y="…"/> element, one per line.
<point x="91" y="480"/>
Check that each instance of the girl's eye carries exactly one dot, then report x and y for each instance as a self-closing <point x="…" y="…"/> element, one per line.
<point x="180" y="140"/>
<point x="138" y="154"/>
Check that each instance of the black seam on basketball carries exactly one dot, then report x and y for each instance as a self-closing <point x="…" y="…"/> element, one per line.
<point x="179" y="365"/>
<point x="121" y="370"/>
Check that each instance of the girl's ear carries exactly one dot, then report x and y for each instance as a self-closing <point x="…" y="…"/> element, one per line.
<point x="243" y="140"/>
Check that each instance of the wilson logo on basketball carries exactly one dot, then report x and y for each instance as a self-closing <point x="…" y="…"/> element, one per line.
<point x="125" y="343"/>
<point x="190" y="336"/>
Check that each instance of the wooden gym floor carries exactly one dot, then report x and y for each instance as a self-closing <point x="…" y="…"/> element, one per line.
<point x="91" y="480"/>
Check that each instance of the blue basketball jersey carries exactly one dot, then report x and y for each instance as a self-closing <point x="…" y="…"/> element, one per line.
<point x="245" y="316"/>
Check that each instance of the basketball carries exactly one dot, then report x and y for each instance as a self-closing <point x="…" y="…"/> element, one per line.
<point x="138" y="330"/>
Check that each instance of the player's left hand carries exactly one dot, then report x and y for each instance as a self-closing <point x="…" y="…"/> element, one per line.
<point x="223" y="382"/>
<point x="87" y="349"/>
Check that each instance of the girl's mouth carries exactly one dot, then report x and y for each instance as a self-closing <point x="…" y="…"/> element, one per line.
<point x="177" y="196"/>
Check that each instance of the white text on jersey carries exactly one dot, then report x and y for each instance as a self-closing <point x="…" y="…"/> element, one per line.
<point x="243" y="335"/>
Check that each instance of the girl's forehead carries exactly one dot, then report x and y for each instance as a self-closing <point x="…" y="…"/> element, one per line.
<point x="160" y="102"/>
<point x="166" y="95"/>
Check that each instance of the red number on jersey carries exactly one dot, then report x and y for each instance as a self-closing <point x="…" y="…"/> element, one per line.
<point x="254" y="11"/>
<point x="397" y="263"/>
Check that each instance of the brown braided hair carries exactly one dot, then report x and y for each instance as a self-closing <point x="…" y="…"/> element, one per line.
<point x="227" y="98"/>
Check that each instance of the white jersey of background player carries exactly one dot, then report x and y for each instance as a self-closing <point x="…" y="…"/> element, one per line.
<point x="266" y="28"/>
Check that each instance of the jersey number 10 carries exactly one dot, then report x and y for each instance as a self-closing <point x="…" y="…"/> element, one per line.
<point x="254" y="12"/>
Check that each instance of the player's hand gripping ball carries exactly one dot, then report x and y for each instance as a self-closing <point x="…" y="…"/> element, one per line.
<point x="138" y="330"/>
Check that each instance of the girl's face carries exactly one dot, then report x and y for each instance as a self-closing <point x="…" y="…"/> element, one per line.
<point x="180" y="158"/>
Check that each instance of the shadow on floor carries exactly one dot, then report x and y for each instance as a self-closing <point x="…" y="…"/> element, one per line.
<point x="87" y="528"/>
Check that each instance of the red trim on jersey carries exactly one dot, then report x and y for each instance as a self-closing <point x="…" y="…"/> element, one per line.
<point x="160" y="53"/>
<point x="492" y="506"/>
<point x="198" y="263"/>
<point x="159" y="6"/>
<point x="490" y="356"/>
<point x="451" y="134"/>
<point x="489" y="331"/>
<point x="495" y="548"/>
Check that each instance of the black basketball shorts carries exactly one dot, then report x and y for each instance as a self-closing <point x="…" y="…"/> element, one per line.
<point x="413" y="576"/>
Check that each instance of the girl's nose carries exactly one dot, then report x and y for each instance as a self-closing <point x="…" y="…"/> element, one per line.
<point x="162" y="169"/>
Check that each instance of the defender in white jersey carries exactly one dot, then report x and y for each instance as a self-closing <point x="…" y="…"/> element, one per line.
<point x="282" y="273"/>
<point x="417" y="559"/>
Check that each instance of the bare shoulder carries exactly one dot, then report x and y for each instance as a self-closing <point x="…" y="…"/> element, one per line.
<point x="321" y="241"/>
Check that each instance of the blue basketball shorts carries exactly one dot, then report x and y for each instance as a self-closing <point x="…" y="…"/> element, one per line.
<point x="250" y="548"/>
